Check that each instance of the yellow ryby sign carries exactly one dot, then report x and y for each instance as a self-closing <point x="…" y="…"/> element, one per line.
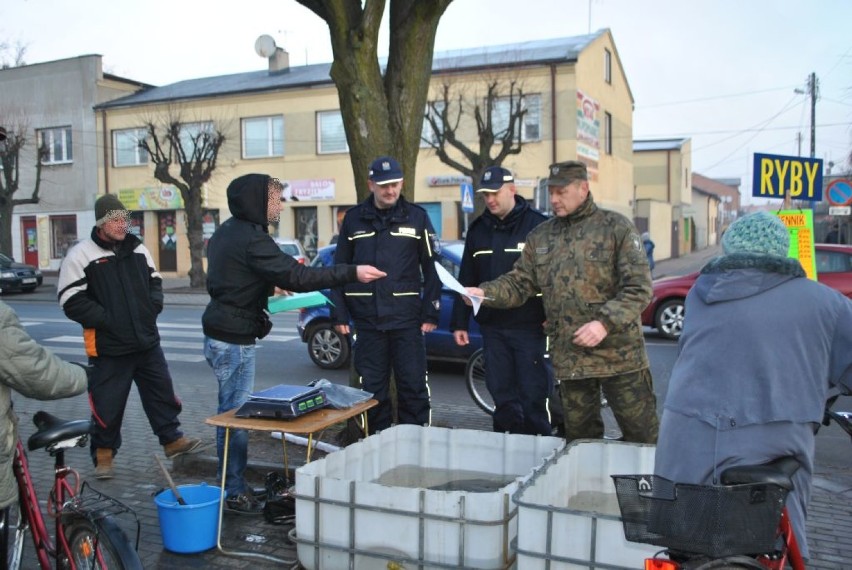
<point x="777" y="176"/>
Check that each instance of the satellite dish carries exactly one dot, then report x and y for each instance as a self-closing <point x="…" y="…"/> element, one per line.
<point x="265" y="46"/>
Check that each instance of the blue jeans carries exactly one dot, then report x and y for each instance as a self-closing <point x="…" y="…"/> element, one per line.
<point x="233" y="365"/>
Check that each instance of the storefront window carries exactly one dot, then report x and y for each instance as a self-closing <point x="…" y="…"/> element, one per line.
<point x="63" y="232"/>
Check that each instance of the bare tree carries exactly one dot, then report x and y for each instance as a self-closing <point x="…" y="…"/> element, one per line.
<point x="193" y="150"/>
<point x="12" y="149"/>
<point x="494" y="121"/>
<point x="17" y="55"/>
<point x="381" y="114"/>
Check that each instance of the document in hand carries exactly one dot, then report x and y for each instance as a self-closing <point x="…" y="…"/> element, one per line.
<point x="451" y="282"/>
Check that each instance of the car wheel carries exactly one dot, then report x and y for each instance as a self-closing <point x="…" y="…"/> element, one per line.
<point x="669" y="319"/>
<point x="328" y="348"/>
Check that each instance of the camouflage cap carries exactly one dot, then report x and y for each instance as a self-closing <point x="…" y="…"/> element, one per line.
<point x="564" y="173"/>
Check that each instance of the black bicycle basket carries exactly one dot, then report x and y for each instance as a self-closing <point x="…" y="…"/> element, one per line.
<point x="716" y="521"/>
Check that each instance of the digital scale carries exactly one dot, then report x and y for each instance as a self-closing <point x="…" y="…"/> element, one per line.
<point x="282" y="402"/>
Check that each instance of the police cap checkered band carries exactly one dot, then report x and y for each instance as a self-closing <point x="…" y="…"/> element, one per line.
<point x="564" y="173"/>
<point x="493" y="179"/>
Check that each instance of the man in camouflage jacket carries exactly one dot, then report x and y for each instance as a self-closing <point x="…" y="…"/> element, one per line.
<point x="592" y="271"/>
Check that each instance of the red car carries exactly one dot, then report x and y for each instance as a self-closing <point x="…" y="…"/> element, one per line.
<point x="665" y="312"/>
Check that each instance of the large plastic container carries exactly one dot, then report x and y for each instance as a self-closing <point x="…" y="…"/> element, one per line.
<point x="191" y="527"/>
<point x="343" y="514"/>
<point x="568" y="516"/>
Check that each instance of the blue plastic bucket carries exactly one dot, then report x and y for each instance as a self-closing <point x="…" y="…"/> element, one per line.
<point x="191" y="527"/>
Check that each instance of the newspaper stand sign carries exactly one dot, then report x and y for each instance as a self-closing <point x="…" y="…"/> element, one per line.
<point x="800" y="224"/>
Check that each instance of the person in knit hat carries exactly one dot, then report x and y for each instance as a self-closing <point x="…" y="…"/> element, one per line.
<point x="109" y="284"/>
<point x="762" y="349"/>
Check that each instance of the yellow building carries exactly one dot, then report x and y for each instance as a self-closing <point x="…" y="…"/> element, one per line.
<point x="285" y="122"/>
<point x="663" y="178"/>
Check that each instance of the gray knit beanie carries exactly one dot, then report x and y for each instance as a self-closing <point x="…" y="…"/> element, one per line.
<point x="760" y="232"/>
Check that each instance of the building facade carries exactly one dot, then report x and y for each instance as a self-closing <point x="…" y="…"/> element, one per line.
<point x="52" y="103"/>
<point x="285" y="121"/>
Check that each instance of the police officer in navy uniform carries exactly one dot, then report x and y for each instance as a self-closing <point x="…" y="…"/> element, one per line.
<point x="516" y="372"/>
<point x="391" y="315"/>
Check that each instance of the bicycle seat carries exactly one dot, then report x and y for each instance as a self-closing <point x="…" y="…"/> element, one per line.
<point x="52" y="430"/>
<point x="777" y="472"/>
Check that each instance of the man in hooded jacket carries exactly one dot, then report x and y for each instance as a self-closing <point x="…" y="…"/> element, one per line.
<point x="244" y="267"/>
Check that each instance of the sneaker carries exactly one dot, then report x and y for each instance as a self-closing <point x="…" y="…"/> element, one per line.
<point x="182" y="446"/>
<point x="243" y="504"/>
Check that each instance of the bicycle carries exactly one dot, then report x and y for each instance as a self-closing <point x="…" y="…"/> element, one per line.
<point x="742" y="523"/>
<point x="87" y="534"/>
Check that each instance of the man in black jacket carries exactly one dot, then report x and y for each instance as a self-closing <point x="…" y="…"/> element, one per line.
<point x="516" y="373"/>
<point x="392" y="315"/>
<point x="244" y="267"/>
<point x="109" y="285"/>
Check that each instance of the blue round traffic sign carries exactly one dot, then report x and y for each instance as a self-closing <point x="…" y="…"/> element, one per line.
<point x="839" y="192"/>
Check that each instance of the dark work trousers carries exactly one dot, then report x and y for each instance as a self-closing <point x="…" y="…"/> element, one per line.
<point x="518" y="379"/>
<point x="110" y="385"/>
<point x="405" y="351"/>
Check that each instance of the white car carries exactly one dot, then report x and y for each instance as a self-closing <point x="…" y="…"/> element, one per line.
<point x="293" y="247"/>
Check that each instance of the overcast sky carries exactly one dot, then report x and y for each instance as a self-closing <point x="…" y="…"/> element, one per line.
<point x="721" y="72"/>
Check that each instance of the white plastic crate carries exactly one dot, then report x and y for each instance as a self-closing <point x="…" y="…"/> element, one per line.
<point x="568" y="516"/>
<point x="344" y="515"/>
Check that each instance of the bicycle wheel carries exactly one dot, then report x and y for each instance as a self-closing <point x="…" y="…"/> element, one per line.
<point x="115" y="551"/>
<point x="474" y="374"/>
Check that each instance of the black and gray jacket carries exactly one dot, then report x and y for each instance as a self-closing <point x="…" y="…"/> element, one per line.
<point x="115" y="292"/>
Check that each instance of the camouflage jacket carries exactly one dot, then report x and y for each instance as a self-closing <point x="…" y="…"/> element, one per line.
<point x="589" y="266"/>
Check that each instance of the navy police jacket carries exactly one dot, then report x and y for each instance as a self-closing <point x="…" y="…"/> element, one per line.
<point x="491" y="248"/>
<point x="401" y="242"/>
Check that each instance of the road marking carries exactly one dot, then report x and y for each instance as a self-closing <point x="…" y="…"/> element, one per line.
<point x="170" y="356"/>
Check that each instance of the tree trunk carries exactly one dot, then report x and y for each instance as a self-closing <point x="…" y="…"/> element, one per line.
<point x="381" y="115"/>
<point x="195" y="235"/>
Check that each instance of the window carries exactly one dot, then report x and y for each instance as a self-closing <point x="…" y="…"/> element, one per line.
<point x="607" y="133"/>
<point x="331" y="137"/>
<point x="126" y="149"/>
<point x="193" y="133"/>
<point x="428" y="136"/>
<point x="263" y="136"/>
<point x="833" y="262"/>
<point x="607" y="66"/>
<point x="63" y="233"/>
<point x="531" y="128"/>
<point x="57" y="142"/>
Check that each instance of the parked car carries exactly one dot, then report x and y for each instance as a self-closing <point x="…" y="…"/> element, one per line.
<point x="293" y="247"/>
<point x="330" y="350"/>
<point x="16" y="276"/>
<point x="666" y="310"/>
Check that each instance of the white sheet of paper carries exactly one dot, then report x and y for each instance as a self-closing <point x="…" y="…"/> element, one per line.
<point x="451" y="282"/>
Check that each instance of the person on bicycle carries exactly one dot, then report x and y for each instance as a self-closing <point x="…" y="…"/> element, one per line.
<point x="33" y="371"/>
<point x="516" y="372"/>
<point x="761" y="347"/>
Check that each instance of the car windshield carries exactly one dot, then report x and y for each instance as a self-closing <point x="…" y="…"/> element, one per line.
<point x="5" y="260"/>
<point x="289" y="249"/>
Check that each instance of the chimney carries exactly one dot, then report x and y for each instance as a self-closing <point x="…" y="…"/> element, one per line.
<point x="279" y="61"/>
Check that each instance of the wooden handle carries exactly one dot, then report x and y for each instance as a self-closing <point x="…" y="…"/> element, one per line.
<point x="178" y="496"/>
